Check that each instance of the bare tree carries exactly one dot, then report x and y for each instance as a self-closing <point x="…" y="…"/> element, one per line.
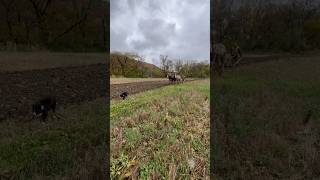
<point x="48" y="23"/>
<point x="170" y="65"/>
<point x="178" y="65"/>
<point x="104" y="6"/>
<point x="164" y="63"/>
<point x="220" y="10"/>
<point x="8" y="7"/>
<point x="85" y="8"/>
<point x="40" y="9"/>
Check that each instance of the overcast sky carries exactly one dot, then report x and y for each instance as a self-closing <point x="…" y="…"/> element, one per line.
<point x="177" y="28"/>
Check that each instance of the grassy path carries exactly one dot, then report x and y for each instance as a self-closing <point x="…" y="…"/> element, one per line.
<point x="163" y="133"/>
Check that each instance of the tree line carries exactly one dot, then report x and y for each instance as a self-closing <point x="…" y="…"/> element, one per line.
<point x="129" y="64"/>
<point x="186" y="68"/>
<point x="75" y="25"/>
<point x="133" y="65"/>
<point x="267" y="25"/>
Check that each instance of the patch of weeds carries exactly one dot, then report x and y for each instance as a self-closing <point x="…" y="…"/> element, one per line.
<point x="183" y="171"/>
<point x="153" y="114"/>
<point x="173" y="136"/>
<point x="197" y="144"/>
<point x="177" y="123"/>
<point x="204" y="90"/>
<point x="155" y="166"/>
<point x="173" y="110"/>
<point x="184" y="100"/>
<point x="160" y="146"/>
<point x="162" y="118"/>
<point x="147" y="129"/>
<point x="118" y="166"/>
<point x="133" y="137"/>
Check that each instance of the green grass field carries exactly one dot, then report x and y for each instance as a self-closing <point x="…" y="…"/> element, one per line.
<point x="163" y="133"/>
<point x="60" y="149"/>
<point x="259" y="113"/>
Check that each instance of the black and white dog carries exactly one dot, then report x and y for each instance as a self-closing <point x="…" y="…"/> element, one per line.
<point x="43" y="106"/>
<point x="124" y="95"/>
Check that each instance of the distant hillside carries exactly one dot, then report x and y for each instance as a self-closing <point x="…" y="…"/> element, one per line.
<point x="122" y="65"/>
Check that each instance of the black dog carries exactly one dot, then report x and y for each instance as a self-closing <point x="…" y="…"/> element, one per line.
<point x="124" y="95"/>
<point x="43" y="106"/>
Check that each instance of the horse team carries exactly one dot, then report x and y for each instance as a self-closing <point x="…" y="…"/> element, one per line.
<point x="222" y="59"/>
<point x="173" y="77"/>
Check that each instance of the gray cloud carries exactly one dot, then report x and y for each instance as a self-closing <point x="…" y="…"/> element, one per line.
<point x="178" y="28"/>
<point x="156" y="34"/>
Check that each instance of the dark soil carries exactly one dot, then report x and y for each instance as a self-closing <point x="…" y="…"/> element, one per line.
<point x="132" y="88"/>
<point x="70" y="85"/>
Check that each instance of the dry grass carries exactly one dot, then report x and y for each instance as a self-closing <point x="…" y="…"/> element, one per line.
<point x="259" y="113"/>
<point x="20" y="61"/>
<point x="162" y="133"/>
